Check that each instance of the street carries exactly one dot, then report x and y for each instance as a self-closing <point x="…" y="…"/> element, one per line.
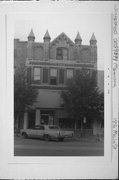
<point x="69" y="147"/>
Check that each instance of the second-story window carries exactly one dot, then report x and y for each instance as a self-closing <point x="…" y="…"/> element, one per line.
<point x="62" y="54"/>
<point x="69" y="74"/>
<point x="37" y="76"/>
<point x="53" y="76"/>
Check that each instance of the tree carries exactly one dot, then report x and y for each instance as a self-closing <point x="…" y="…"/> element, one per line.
<point x="82" y="97"/>
<point x="24" y="94"/>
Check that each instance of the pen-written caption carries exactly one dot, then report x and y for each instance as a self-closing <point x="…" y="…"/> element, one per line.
<point x="115" y="78"/>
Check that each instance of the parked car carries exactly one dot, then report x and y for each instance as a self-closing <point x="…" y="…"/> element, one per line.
<point x="47" y="132"/>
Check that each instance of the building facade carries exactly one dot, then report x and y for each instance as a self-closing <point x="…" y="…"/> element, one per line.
<point x="50" y="64"/>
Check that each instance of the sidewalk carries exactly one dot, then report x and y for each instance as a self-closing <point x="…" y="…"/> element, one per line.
<point x="90" y="138"/>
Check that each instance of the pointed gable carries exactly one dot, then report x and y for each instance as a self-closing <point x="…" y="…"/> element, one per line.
<point x="62" y="37"/>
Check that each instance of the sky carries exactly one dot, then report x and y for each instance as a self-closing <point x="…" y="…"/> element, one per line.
<point x="70" y="24"/>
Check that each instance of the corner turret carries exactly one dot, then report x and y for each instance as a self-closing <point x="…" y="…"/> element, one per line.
<point x="47" y="37"/>
<point x="93" y="41"/>
<point x="78" y="40"/>
<point x="31" y="39"/>
<point x="46" y="45"/>
<point x="31" y="36"/>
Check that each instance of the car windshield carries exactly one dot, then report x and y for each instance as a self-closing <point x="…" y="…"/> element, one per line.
<point x="39" y="127"/>
<point x="53" y="127"/>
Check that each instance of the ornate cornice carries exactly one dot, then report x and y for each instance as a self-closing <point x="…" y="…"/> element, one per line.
<point x="72" y="64"/>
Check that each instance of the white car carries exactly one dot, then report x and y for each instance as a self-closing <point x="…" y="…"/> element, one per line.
<point x="47" y="132"/>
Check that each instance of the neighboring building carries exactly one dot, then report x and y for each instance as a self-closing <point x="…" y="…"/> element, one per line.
<point x="49" y="65"/>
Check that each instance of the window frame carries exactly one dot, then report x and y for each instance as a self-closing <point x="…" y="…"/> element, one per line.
<point x="61" y="53"/>
<point x="67" y="71"/>
<point x="52" y="76"/>
<point x="36" y="80"/>
<point x="59" y="56"/>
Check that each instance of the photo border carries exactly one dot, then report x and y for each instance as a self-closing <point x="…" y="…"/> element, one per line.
<point x="63" y="165"/>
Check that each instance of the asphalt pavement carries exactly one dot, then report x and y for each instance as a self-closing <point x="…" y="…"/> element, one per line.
<point x="85" y="146"/>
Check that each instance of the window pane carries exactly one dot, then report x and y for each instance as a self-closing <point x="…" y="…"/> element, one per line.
<point x="53" y="76"/>
<point x="65" y="54"/>
<point x="61" y="76"/>
<point x="69" y="73"/>
<point x="62" y="53"/>
<point x="53" y="72"/>
<point x="45" y="75"/>
<point x="53" y="81"/>
<point x="59" y="54"/>
<point x="36" y="73"/>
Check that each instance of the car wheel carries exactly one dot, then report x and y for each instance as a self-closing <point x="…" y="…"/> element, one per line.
<point x="46" y="137"/>
<point x="60" y="139"/>
<point x="24" y="135"/>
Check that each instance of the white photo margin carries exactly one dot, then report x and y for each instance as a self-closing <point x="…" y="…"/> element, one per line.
<point x="56" y="167"/>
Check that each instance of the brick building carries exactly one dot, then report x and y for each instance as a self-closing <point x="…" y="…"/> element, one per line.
<point x="49" y="65"/>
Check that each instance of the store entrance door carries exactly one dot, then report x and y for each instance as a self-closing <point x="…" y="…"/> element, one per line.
<point x="47" y="117"/>
<point x="44" y="119"/>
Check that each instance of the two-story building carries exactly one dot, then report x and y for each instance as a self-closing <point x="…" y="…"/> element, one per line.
<point x="49" y="65"/>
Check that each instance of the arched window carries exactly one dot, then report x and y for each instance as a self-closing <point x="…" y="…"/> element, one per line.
<point x="62" y="53"/>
